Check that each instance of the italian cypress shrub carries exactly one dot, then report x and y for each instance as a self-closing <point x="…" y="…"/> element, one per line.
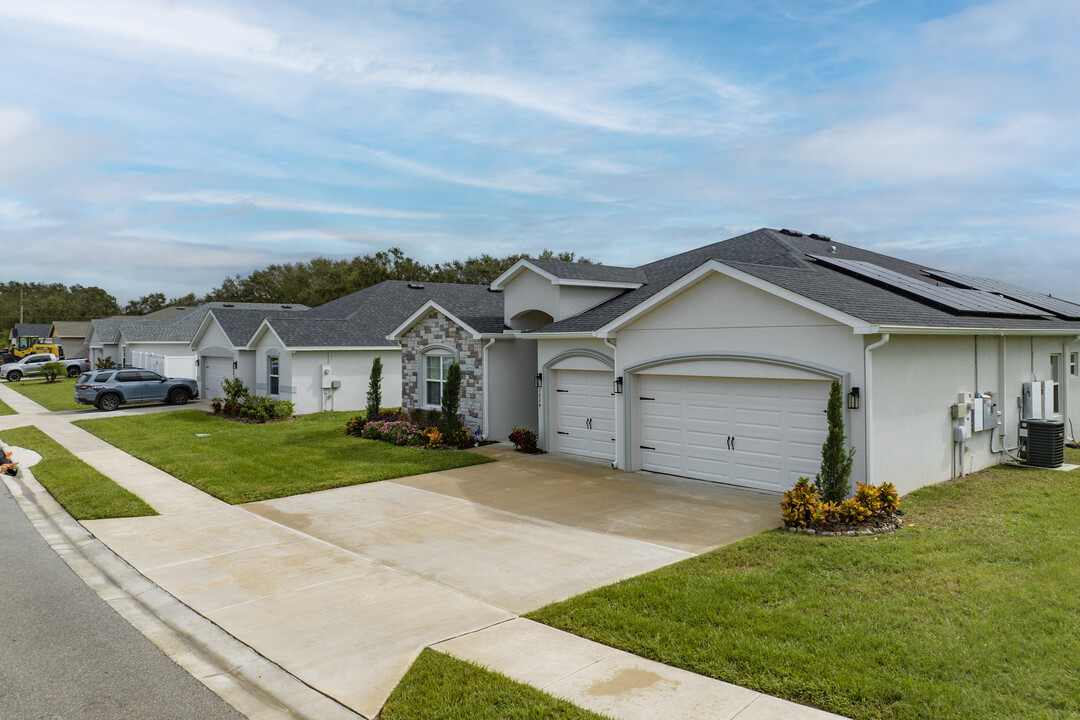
<point x="374" y="389"/>
<point x="834" y="480"/>
<point x="451" y="400"/>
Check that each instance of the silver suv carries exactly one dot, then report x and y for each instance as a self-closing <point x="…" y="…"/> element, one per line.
<point x="109" y="389"/>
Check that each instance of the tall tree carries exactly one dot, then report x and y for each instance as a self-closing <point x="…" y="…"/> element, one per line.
<point x="834" y="480"/>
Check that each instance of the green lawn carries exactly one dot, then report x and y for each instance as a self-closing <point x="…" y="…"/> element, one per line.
<point x="439" y="687"/>
<point x="84" y="492"/>
<point x="241" y="463"/>
<point x="971" y="611"/>
<point x="5" y="409"/>
<point x="59" y="395"/>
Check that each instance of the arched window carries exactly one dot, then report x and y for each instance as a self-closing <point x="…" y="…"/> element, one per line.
<point x="436" y="362"/>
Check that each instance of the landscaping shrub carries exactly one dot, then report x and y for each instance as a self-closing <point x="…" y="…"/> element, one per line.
<point x="434" y="438"/>
<point x="459" y="437"/>
<point x="374" y="392"/>
<point x="451" y="400"/>
<point x="104" y="363"/>
<point x="803" y="506"/>
<point x="396" y="432"/>
<point x="53" y="370"/>
<point x="523" y="439"/>
<point x="354" y="427"/>
<point x="425" y="417"/>
<point x="239" y="403"/>
<point x="834" y="477"/>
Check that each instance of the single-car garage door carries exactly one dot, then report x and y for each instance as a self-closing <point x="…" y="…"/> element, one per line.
<point x="761" y="434"/>
<point x="215" y="369"/>
<point x="584" y="412"/>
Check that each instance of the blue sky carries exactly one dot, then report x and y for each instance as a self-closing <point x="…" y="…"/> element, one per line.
<point x="153" y="146"/>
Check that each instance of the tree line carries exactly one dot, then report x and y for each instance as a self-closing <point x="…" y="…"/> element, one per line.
<point x="311" y="283"/>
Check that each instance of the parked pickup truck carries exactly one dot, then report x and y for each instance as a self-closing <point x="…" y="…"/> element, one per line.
<point x="32" y="364"/>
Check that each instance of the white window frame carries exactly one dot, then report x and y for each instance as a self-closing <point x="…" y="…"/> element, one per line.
<point x="447" y="358"/>
<point x="1074" y="364"/>
<point x="272" y="362"/>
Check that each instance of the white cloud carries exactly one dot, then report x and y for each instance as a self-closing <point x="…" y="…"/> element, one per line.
<point x="265" y="202"/>
<point x="17" y="215"/>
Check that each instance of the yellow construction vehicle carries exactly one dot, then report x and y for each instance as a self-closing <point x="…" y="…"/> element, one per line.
<point x="29" y="345"/>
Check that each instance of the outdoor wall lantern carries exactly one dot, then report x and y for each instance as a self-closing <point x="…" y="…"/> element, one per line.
<point x="616" y="386"/>
<point x="853" y="399"/>
<point x="196" y="362"/>
<point x="538" y="381"/>
<point x="233" y="364"/>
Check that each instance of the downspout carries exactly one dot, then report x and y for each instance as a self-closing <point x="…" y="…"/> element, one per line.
<point x="486" y="389"/>
<point x="1065" y="388"/>
<point x="868" y="416"/>
<point x="618" y="434"/>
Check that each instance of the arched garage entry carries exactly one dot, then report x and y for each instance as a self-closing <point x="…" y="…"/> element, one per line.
<point x="753" y="421"/>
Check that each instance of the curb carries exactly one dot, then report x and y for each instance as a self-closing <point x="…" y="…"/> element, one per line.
<point x="258" y="688"/>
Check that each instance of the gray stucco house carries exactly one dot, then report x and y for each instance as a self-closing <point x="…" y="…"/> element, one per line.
<point x="716" y="363"/>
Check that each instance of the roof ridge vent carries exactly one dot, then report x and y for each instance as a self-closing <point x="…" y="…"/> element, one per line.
<point x="227" y="305"/>
<point x="416" y="286"/>
<point x="823" y="238"/>
<point x="790" y="233"/>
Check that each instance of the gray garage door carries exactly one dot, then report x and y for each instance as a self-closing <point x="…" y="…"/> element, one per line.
<point x="760" y="434"/>
<point x="584" y="412"/>
<point x="215" y="369"/>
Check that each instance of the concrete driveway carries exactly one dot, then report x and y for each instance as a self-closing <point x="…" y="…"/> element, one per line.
<point x="344" y="587"/>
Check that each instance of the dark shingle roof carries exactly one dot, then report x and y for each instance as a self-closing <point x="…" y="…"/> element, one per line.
<point x="587" y="271"/>
<point x="70" y="328"/>
<point x="784" y="260"/>
<point x="367" y="316"/>
<point x="240" y="324"/>
<point x="31" y="329"/>
<point x="180" y="328"/>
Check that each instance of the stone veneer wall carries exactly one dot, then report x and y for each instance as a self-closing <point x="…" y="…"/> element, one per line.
<point x="437" y="329"/>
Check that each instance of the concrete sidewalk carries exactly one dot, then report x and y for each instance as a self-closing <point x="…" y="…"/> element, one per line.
<point x="344" y="588"/>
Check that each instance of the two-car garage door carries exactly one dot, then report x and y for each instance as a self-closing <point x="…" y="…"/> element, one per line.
<point x="755" y="433"/>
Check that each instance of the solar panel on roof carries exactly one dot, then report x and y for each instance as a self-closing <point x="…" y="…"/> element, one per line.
<point x="967" y="302"/>
<point x="1061" y="308"/>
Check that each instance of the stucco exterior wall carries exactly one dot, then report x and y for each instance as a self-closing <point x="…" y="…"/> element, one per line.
<point x="529" y="291"/>
<point x="266" y="346"/>
<point x="512" y="396"/>
<point x="438" y="331"/>
<point x="916" y="378"/>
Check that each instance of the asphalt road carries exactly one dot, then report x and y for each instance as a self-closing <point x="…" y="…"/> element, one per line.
<point x="65" y="654"/>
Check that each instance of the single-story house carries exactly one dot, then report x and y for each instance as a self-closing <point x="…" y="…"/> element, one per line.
<point x="716" y="363"/>
<point x="321" y="359"/>
<point x="160" y="341"/>
<point x="220" y="344"/>
<point x="71" y="334"/>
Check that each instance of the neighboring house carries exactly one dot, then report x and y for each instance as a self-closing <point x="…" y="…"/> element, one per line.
<point x="716" y="363"/>
<point x="321" y="359"/>
<point x="29" y="330"/>
<point x="71" y="334"/>
<point x="220" y="344"/>
<point x="159" y="341"/>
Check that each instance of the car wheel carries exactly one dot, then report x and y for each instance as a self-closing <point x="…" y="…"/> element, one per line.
<point x="178" y="396"/>
<point x="108" y="403"/>
<point x="73" y="371"/>
<point x="14" y="376"/>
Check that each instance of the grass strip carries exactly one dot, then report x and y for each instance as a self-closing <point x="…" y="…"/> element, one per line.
<point x="5" y="409"/>
<point x="440" y="687"/>
<point x="84" y="492"/>
<point x="969" y="612"/>
<point x="239" y="462"/>
<point x="54" y="396"/>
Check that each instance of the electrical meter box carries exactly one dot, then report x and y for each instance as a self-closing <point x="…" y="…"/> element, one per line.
<point x="326" y="380"/>
<point x="985" y="415"/>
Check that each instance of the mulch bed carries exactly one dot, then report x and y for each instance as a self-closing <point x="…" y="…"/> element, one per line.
<point x="250" y="421"/>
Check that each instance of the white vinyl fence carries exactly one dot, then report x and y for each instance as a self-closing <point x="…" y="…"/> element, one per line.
<point x="168" y="365"/>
